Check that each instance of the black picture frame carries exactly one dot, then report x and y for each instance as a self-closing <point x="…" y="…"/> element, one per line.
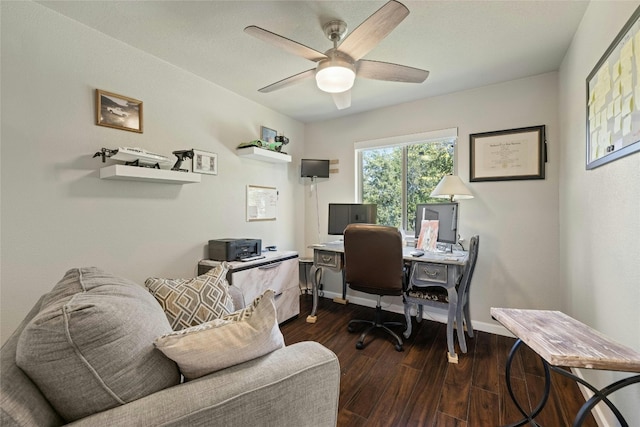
<point x="613" y="102"/>
<point x="509" y="154"/>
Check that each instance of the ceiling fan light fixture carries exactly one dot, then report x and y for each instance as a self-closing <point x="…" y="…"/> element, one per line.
<point x="335" y="76"/>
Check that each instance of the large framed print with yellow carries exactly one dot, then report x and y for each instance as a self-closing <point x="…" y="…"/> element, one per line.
<point x="613" y="99"/>
<point x="508" y="154"/>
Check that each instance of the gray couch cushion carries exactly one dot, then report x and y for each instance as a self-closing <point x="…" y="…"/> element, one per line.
<point x="21" y="402"/>
<point x="90" y="347"/>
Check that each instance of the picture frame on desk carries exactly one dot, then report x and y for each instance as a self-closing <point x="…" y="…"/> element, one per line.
<point x="118" y="112"/>
<point x="510" y="154"/>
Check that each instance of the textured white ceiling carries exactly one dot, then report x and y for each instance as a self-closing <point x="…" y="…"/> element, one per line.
<point x="464" y="44"/>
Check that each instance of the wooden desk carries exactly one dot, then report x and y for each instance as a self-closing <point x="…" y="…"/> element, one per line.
<point x="560" y="340"/>
<point x="448" y="268"/>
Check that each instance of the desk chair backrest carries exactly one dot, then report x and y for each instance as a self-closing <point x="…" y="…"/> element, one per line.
<point x="373" y="259"/>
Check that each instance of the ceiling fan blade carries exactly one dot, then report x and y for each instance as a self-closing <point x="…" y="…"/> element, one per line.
<point x="296" y="78"/>
<point x="391" y="72"/>
<point x="373" y="30"/>
<point x="285" y="43"/>
<point x="342" y="99"/>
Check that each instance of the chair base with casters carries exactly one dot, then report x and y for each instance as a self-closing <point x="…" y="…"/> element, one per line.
<point x="377" y="323"/>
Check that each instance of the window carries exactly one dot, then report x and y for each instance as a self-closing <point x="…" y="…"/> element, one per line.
<point x="398" y="173"/>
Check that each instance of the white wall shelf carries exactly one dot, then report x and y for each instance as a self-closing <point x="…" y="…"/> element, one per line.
<point x="263" y="154"/>
<point x="135" y="173"/>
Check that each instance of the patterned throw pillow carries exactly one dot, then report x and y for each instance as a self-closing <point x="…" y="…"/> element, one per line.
<point x="241" y="336"/>
<point x="190" y="302"/>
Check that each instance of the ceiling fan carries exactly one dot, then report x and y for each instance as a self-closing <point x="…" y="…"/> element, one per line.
<point x="337" y="67"/>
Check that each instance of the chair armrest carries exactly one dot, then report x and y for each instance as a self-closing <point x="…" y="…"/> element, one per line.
<point x="295" y="385"/>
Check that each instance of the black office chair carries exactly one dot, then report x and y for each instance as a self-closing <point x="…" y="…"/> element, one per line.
<point x="373" y="264"/>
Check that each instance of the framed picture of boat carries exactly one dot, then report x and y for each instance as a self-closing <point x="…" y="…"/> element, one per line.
<point x="118" y="112"/>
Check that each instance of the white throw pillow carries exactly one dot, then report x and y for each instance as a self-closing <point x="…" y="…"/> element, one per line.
<point x="241" y="336"/>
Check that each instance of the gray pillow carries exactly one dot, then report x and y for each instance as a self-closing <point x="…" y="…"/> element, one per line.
<point x="90" y="348"/>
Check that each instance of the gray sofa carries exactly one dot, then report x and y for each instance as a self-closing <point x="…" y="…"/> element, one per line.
<point x="297" y="385"/>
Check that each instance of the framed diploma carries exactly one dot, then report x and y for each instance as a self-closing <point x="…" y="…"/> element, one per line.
<point x="508" y="154"/>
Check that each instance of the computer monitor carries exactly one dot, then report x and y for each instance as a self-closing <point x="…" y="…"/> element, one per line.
<point x="447" y="216"/>
<point x="314" y="168"/>
<point x="343" y="214"/>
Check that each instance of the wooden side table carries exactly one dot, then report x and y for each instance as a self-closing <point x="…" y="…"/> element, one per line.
<point x="562" y="341"/>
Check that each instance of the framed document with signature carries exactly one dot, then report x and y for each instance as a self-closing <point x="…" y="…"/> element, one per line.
<point x="508" y="154"/>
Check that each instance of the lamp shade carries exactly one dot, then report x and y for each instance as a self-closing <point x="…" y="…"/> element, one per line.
<point x="450" y="187"/>
<point x="335" y="75"/>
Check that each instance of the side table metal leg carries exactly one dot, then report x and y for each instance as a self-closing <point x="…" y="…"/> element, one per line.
<point x="547" y="387"/>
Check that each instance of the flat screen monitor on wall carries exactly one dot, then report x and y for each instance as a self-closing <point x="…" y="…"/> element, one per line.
<point x="446" y="214"/>
<point x="314" y="168"/>
<point x="343" y="214"/>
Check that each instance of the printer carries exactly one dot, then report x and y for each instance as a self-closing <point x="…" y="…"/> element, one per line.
<point x="234" y="249"/>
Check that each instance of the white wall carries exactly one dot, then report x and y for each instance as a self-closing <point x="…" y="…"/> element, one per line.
<point x="56" y="212"/>
<point x="517" y="220"/>
<point x="600" y="208"/>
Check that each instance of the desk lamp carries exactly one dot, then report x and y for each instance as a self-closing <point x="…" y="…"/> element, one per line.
<point x="450" y="187"/>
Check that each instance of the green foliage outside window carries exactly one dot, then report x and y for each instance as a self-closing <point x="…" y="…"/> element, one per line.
<point x="382" y="179"/>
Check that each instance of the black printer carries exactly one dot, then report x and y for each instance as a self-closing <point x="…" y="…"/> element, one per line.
<point x="234" y="249"/>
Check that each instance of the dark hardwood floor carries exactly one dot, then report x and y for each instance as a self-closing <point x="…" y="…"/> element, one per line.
<point x="418" y="387"/>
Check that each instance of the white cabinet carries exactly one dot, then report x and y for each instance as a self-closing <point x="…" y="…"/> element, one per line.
<point x="277" y="271"/>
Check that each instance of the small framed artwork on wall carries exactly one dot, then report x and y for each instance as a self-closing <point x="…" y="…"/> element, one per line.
<point x="118" y="112"/>
<point x="204" y="162"/>
<point x="267" y="135"/>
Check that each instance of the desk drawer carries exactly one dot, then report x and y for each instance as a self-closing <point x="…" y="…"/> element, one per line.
<point x="425" y="273"/>
<point x="327" y="259"/>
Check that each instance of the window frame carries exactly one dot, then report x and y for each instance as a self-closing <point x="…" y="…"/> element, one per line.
<point x="403" y="141"/>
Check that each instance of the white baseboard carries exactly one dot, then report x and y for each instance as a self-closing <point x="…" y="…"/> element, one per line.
<point x="428" y="313"/>
<point x="597" y="413"/>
